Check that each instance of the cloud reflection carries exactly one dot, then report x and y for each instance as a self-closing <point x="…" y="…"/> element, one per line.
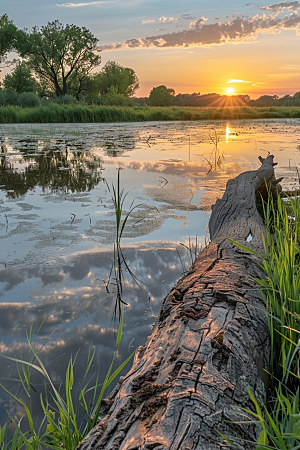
<point x="75" y="311"/>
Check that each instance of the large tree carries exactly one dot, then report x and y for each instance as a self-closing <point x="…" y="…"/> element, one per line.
<point x="57" y="53"/>
<point x="7" y="37"/>
<point x="116" y="79"/>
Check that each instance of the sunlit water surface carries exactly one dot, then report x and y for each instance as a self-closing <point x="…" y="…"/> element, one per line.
<point x="57" y="227"/>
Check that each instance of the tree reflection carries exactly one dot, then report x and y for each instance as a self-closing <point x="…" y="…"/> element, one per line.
<point x="60" y="169"/>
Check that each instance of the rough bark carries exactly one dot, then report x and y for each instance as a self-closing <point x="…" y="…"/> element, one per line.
<point x="208" y="345"/>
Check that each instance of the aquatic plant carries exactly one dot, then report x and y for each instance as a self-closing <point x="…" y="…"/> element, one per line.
<point x="193" y="250"/>
<point x="64" y="428"/>
<point x="119" y="260"/>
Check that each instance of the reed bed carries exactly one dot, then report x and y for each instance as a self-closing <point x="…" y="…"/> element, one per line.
<point x="81" y="113"/>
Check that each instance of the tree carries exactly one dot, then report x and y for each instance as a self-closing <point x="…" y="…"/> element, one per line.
<point x="161" y="96"/>
<point x="58" y="52"/>
<point x="7" y="37"/>
<point x="116" y="79"/>
<point x="264" y="100"/>
<point x="21" y="80"/>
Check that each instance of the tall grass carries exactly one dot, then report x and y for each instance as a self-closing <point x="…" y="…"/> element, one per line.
<point x="80" y="113"/>
<point x="279" y="420"/>
<point x="282" y="286"/>
<point x="61" y="426"/>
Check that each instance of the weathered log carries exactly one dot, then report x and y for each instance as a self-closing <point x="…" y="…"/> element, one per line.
<point x="208" y="345"/>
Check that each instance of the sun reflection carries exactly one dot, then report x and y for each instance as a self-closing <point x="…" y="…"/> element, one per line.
<point x="227" y="133"/>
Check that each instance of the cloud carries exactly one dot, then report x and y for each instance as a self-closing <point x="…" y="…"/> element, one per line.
<point x="144" y="22"/>
<point x="281" y="6"/>
<point x="198" y="23"/>
<point x="79" y="5"/>
<point x="237" y="81"/>
<point x="11" y="277"/>
<point x="164" y="19"/>
<point x="187" y="17"/>
<point x="201" y="34"/>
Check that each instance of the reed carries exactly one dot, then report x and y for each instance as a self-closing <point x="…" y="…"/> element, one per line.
<point x="120" y="264"/>
<point x="81" y="113"/>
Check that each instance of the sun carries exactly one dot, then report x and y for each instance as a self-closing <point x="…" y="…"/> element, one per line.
<point x="230" y="91"/>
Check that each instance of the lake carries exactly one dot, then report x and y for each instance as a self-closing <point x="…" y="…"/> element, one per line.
<point x="58" y="228"/>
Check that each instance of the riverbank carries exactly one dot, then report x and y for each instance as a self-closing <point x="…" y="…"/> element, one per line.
<point x="93" y="113"/>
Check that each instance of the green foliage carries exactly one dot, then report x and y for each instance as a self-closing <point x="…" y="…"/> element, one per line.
<point x="282" y="287"/>
<point x="21" y="80"/>
<point x="161" y="96"/>
<point x="60" y="113"/>
<point x="28" y="100"/>
<point x="59" y="53"/>
<point x="279" y="421"/>
<point x="64" y="429"/>
<point x="8" y="97"/>
<point x="112" y="98"/>
<point x="7" y="36"/>
<point x="17" y="440"/>
<point x="278" y="429"/>
<point x="65" y="100"/>
<point x="116" y="79"/>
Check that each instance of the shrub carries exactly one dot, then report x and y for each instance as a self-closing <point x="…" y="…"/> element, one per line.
<point x="28" y="100"/>
<point x="65" y="100"/>
<point x="8" y="97"/>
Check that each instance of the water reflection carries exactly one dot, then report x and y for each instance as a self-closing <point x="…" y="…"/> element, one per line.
<point x="75" y="309"/>
<point x="51" y="169"/>
<point x="57" y="226"/>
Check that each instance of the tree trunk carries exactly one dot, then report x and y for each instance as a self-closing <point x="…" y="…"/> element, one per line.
<point x="208" y="345"/>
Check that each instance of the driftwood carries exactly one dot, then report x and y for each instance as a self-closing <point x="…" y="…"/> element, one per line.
<point x="208" y="345"/>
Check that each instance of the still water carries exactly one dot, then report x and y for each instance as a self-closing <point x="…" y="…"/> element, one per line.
<point x="57" y="227"/>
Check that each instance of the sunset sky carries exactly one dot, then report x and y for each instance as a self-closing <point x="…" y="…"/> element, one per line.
<point x="191" y="46"/>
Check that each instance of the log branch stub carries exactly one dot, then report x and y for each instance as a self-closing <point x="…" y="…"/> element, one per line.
<point x="209" y="343"/>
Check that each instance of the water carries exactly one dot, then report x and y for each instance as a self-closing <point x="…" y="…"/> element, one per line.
<point x="57" y="227"/>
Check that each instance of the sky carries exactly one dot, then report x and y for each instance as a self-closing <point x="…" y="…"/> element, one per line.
<point x="191" y="46"/>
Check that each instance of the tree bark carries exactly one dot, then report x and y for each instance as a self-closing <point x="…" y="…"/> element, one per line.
<point x="208" y="345"/>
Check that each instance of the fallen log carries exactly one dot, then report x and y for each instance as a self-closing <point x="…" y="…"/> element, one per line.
<point x="209" y="343"/>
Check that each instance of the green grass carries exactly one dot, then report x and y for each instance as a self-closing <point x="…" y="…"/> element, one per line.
<point x="61" y="426"/>
<point x="279" y="419"/>
<point x="92" y="113"/>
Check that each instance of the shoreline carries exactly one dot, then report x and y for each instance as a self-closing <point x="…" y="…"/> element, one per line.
<point x="80" y="113"/>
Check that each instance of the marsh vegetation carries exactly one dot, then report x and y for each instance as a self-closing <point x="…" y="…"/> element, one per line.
<point x="81" y="113"/>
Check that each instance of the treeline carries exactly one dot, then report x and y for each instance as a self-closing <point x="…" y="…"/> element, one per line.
<point x="57" y="65"/>
<point x="274" y="100"/>
<point x="167" y="97"/>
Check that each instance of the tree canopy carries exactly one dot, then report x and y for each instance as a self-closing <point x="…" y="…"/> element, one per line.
<point x="59" y="53"/>
<point x="116" y="79"/>
<point x="161" y="96"/>
<point x="7" y="36"/>
<point x="21" y="79"/>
